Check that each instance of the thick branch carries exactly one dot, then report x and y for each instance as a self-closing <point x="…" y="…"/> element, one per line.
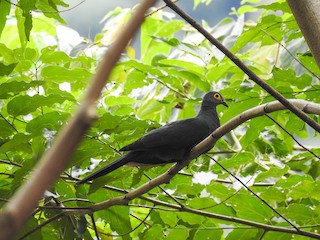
<point x="209" y="142"/>
<point x="206" y="144"/>
<point x="25" y="200"/>
<point x="306" y="13"/>
<point x="244" y="68"/>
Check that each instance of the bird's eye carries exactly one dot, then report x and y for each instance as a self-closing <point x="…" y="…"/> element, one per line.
<point x="217" y="96"/>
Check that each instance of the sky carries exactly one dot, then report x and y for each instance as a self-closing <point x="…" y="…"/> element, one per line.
<point x="85" y="17"/>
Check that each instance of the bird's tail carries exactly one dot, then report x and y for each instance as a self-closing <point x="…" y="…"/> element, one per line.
<point x="109" y="168"/>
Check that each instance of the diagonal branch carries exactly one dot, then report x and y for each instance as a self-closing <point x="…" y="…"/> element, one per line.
<point x="244" y="68"/>
<point x="48" y="170"/>
<point x="203" y="146"/>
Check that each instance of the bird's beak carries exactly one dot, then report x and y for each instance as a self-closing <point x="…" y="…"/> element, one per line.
<point x="224" y="103"/>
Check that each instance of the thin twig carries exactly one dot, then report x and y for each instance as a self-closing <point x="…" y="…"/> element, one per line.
<point x="253" y="193"/>
<point x="169" y="195"/>
<point x="158" y="9"/>
<point x="55" y="217"/>
<point x="94" y="226"/>
<point x="294" y="57"/>
<point x="244" y="68"/>
<point x="15" y="129"/>
<point x="10" y="163"/>
<point x="294" y="139"/>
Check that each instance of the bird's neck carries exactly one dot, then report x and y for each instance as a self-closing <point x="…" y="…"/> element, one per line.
<point x="209" y="113"/>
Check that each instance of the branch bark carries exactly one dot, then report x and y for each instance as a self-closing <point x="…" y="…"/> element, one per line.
<point x="206" y="144"/>
<point x="244" y="68"/>
<point x="306" y="13"/>
<point x="25" y="200"/>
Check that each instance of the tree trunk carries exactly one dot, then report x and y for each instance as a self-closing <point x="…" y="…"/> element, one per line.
<point x="307" y="15"/>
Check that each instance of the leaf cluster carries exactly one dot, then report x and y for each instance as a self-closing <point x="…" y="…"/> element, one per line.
<point x="160" y="81"/>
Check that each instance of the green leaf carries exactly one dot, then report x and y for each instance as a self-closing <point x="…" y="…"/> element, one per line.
<point x="248" y="36"/>
<point x="168" y="218"/>
<point x="251" y="208"/>
<point x="135" y="79"/>
<point x="273" y="172"/>
<point x="220" y="191"/>
<point x="305" y="189"/>
<point x="78" y="77"/>
<point x="144" y="68"/>
<point x="192" y="78"/>
<point x="6" y="129"/>
<point x="277" y="6"/>
<point x="278" y="236"/>
<point x="210" y="231"/>
<point x="174" y="42"/>
<point x="283" y="77"/>
<point x="116" y="101"/>
<point x="204" y="202"/>
<point x="238" y="107"/>
<point x="6" y="53"/>
<point x="50" y="121"/>
<point x="50" y="55"/>
<point x="19" y="143"/>
<point x="237" y="160"/>
<point x="148" y="110"/>
<point x="246" y="9"/>
<point x="178" y="233"/>
<point x="49" y="9"/>
<point x="196" y="3"/>
<point x="21" y="27"/>
<point x="184" y="188"/>
<point x="190" y="218"/>
<point x="27" y="23"/>
<point x="273" y="194"/>
<point x="6" y="69"/>
<point x="108" y="122"/>
<point x="9" y="89"/>
<point x="292" y="180"/>
<point x="26" y="7"/>
<point x="155" y="232"/>
<point x="243" y="234"/>
<point x="23" y="105"/>
<point x="256" y="126"/>
<point x="302" y="214"/>
<point x="119" y="219"/>
<point x="309" y="62"/>
<point x="5" y="7"/>
<point x="156" y="27"/>
<point x="183" y="65"/>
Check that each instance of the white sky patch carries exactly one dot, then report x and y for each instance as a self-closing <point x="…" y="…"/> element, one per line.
<point x="248" y="181"/>
<point x="68" y="38"/>
<point x="65" y="86"/>
<point x="203" y="178"/>
<point x="31" y="92"/>
<point x="276" y="161"/>
<point x="28" y="117"/>
<point x="204" y="193"/>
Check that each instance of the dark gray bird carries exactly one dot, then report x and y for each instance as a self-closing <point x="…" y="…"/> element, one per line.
<point x="170" y="143"/>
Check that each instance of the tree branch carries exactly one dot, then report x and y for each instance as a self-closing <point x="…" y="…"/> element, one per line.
<point x="203" y="146"/>
<point x="244" y="68"/>
<point x="307" y="16"/>
<point x="48" y="170"/>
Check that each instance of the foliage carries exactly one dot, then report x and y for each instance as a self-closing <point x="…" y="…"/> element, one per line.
<point x="42" y="80"/>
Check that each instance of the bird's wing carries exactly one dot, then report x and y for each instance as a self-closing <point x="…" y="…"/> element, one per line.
<point x="180" y="134"/>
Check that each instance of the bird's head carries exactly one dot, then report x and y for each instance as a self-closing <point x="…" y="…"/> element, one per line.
<point x="213" y="99"/>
